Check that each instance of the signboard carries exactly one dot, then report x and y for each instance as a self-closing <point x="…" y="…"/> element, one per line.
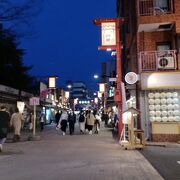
<point x="108" y="34"/>
<point x="131" y="78"/>
<point x="20" y="106"/>
<point x="34" y="101"/>
<point x="52" y="82"/>
<point x="160" y="80"/>
<point x="112" y="79"/>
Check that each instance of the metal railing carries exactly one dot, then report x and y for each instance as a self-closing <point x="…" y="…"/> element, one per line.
<point x="155" y="7"/>
<point x="157" y="60"/>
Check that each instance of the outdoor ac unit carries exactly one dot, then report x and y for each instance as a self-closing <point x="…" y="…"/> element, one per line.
<point x="166" y="63"/>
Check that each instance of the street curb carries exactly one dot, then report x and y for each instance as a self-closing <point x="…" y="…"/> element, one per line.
<point x="170" y="145"/>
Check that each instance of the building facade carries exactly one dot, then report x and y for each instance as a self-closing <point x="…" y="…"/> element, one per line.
<point x="151" y="49"/>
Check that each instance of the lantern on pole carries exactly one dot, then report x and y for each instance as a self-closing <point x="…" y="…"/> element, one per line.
<point x="110" y="40"/>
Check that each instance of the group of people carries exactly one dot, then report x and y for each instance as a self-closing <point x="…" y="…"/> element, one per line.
<point x="88" y="120"/>
<point x="6" y="121"/>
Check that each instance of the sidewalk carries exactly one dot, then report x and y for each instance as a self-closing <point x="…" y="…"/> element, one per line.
<point x="80" y="157"/>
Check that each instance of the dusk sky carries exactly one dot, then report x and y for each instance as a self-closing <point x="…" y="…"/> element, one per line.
<point x="66" y="40"/>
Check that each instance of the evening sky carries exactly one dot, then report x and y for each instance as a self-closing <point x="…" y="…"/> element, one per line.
<point x="66" y="40"/>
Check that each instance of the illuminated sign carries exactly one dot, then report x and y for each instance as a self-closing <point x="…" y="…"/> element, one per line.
<point x="108" y="34"/>
<point x="52" y="82"/>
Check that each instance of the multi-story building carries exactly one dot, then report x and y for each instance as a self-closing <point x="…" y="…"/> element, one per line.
<point x="151" y="49"/>
<point x="79" y="91"/>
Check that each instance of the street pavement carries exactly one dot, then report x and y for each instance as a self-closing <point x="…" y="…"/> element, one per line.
<point x="77" y="157"/>
<point x="165" y="159"/>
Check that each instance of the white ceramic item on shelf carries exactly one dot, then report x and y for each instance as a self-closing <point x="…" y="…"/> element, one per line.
<point x="157" y="107"/>
<point x="174" y="94"/>
<point x="168" y="94"/>
<point x="151" y="113"/>
<point x="171" y="118"/>
<point x="158" y="119"/>
<point x="157" y="101"/>
<point x="169" y="101"/>
<point x="157" y="95"/>
<point x="158" y="113"/>
<point x="163" y="95"/>
<point x="176" y="113"/>
<point x="164" y="113"/>
<point x="151" y="95"/>
<point x="176" y="106"/>
<point x="152" y="119"/>
<point x="177" y="118"/>
<point x="151" y="107"/>
<point x="170" y="106"/>
<point x="165" y="119"/>
<point x="170" y="113"/>
<point x="163" y="101"/>
<point x="175" y="100"/>
<point x="164" y="107"/>
<point x="151" y="101"/>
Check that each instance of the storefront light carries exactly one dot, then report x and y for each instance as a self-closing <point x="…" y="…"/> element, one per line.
<point x="102" y="87"/>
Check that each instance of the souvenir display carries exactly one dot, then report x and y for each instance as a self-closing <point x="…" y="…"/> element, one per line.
<point x="157" y="101"/>
<point x="174" y="94"/>
<point x="163" y="95"/>
<point x="157" y="107"/>
<point x="164" y="106"/>
<point x="157" y="95"/>
<point x="151" y="107"/>
<point x="151" y="101"/>
<point x="165" y="119"/>
<point x="151" y="95"/>
<point x="163" y="101"/>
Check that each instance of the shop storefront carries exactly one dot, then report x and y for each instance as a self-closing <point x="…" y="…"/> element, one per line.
<point x="160" y="106"/>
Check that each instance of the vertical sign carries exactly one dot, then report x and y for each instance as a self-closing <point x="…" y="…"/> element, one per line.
<point x="52" y="82"/>
<point x="108" y="34"/>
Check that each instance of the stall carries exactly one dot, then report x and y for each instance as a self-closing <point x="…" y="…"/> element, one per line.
<point x="131" y="137"/>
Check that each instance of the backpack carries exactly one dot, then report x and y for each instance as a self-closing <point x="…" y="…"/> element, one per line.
<point x="81" y="118"/>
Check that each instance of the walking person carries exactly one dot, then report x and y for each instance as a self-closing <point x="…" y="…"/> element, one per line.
<point x="16" y="122"/>
<point x="63" y="122"/>
<point x="42" y="119"/>
<point x="90" y="121"/>
<point x="4" y="125"/>
<point x="72" y="121"/>
<point x="97" y="121"/>
<point x="81" y="122"/>
<point x="57" y="118"/>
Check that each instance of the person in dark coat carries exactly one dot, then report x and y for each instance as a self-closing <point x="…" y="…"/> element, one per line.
<point x="4" y="125"/>
<point x="57" y="117"/>
<point x="72" y="121"/>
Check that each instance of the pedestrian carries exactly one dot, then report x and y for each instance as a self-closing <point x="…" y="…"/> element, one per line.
<point x="57" y="118"/>
<point x="42" y="118"/>
<point x="90" y="121"/>
<point x="16" y="123"/>
<point x="105" y="118"/>
<point x="63" y="122"/>
<point x="72" y="121"/>
<point x="97" y="121"/>
<point x="81" y="122"/>
<point x="4" y="125"/>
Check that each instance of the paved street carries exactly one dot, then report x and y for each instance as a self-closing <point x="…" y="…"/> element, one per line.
<point x="77" y="157"/>
<point x="165" y="159"/>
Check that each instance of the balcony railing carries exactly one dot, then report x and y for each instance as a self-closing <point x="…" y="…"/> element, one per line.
<point x="155" y="7"/>
<point x="157" y="60"/>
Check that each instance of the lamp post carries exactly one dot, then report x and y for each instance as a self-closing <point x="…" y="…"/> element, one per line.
<point x="110" y="40"/>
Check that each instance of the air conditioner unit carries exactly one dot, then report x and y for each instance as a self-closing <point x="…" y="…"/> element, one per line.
<point x="166" y="63"/>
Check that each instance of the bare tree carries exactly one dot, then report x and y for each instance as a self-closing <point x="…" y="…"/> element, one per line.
<point x="16" y="12"/>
